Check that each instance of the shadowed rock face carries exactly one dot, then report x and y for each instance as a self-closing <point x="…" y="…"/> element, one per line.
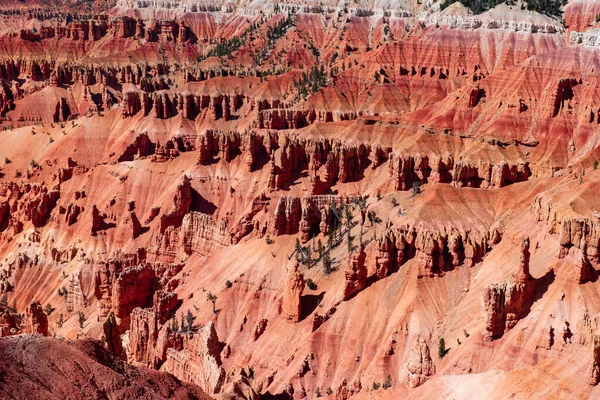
<point x="293" y="200"/>
<point x="505" y="303"/>
<point x="36" y="321"/>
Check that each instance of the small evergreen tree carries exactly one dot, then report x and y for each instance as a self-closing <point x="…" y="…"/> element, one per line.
<point x="311" y="284"/>
<point x="183" y="325"/>
<point x="81" y="318"/>
<point x="174" y="324"/>
<point x="388" y="383"/>
<point x="190" y="320"/>
<point x="213" y="299"/>
<point x="442" y="350"/>
<point x="48" y="309"/>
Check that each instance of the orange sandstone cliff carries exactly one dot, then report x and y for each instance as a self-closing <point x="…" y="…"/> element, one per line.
<point x="300" y="199"/>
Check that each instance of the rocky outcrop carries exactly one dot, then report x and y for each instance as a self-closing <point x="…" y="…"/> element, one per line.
<point x="135" y="224"/>
<point x="181" y="205"/>
<point x="165" y="304"/>
<point x="583" y="234"/>
<point x="36" y="321"/>
<point x="406" y="170"/>
<point x="292" y="294"/>
<point x="198" y="234"/>
<point x="259" y="329"/>
<point x="35" y="203"/>
<point x="306" y="215"/>
<point x="141" y="147"/>
<point x="199" y="362"/>
<point x="149" y="342"/>
<point x="105" y="275"/>
<point x="221" y="144"/>
<point x="435" y="251"/>
<point x="505" y="303"/>
<point x="97" y="221"/>
<point x="134" y="287"/>
<point x="420" y="365"/>
<point x="356" y="274"/>
<point x="579" y="237"/>
<point x="76" y="300"/>
<point x="593" y="377"/>
<point x="112" y="336"/>
<point x="10" y="321"/>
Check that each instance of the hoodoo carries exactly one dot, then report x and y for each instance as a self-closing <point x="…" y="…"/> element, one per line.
<point x="296" y="199"/>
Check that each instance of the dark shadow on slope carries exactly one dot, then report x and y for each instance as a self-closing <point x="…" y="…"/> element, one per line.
<point x="309" y="303"/>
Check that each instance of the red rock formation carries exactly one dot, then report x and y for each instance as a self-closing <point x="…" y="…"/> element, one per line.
<point x="420" y="365"/>
<point x="356" y="274"/>
<point x="133" y="288"/>
<point x="76" y="300"/>
<point x="259" y="329"/>
<point x="112" y="336"/>
<point x="504" y="304"/>
<point x="10" y="321"/>
<point x="198" y="234"/>
<point x="148" y="341"/>
<point x="199" y="362"/>
<point x="181" y="205"/>
<point x="292" y="294"/>
<point x="36" y="321"/>
<point x="594" y="373"/>
<point x="97" y="220"/>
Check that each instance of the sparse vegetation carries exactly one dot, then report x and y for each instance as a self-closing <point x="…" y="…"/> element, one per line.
<point x="184" y="326"/>
<point x="81" y="318"/>
<point x="213" y="299"/>
<point x="273" y="35"/>
<point x="48" y="309"/>
<point x="595" y="165"/>
<point x="190" y="318"/>
<point x="442" y="350"/>
<point x="7" y="160"/>
<point x="394" y="202"/>
<point x="416" y="188"/>
<point x="376" y="386"/>
<point x="60" y="321"/>
<point x="311" y="82"/>
<point x="388" y="383"/>
<point x="374" y="220"/>
<point x="310" y="284"/>
<point x="466" y="333"/>
<point x="174" y="324"/>
<point x="327" y="268"/>
<point x="228" y="284"/>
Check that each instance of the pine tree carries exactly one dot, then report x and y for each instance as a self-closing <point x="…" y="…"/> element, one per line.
<point x="174" y="324"/>
<point x="190" y="320"/>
